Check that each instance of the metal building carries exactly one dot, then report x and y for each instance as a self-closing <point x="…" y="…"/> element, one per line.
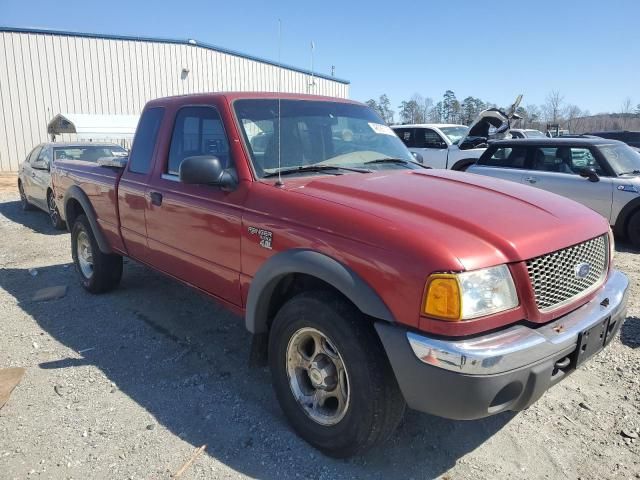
<point x="44" y="73"/>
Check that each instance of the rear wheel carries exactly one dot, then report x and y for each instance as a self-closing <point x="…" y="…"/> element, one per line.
<point x="633" y="229"/>
<point x="99" y="272"/>
<point x="331" y="375"/>
<point x="24" y="203"/>
<point x="54" y="214"/>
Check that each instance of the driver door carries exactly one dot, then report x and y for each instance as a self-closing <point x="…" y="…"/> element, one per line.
<point x="40" y="178"/>
<point x="432" y="147"/>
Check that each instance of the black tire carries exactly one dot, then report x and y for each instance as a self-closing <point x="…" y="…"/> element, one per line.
<point x="54" y="214"/>
<point x="633" y="230"/>
<point x="24" y="203"/>
<point x="375" y="405"/>
<point x="106" y="269"/>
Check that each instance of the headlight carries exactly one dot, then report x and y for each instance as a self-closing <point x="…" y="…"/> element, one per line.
<point x="467" y="295"/>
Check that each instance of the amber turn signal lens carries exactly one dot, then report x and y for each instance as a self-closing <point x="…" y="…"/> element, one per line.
<point x="442" y="299"/>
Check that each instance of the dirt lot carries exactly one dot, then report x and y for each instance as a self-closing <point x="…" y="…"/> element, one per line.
<point x="129" y="384"/>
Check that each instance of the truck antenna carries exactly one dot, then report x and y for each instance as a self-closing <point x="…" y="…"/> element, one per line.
<point x="279" y="182"/>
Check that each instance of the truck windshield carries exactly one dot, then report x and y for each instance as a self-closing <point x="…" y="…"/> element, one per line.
<point x="317" y="133"/>
<point x="622" y="158"/>
<point x="455" y="134"/>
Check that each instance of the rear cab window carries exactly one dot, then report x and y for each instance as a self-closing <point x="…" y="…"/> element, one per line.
<point x="141" y="156"/>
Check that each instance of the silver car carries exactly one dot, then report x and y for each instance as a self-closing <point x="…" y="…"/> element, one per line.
<point x="34" y="177"/>
<point x="599" y="173"/>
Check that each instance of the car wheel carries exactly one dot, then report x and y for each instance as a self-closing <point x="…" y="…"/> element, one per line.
<point x="633" y="230"/>
<point x="99" y="272"/>
<point x="24" y="203"/>
<point x="331" y="375"/>
<point x="54" y="214"/>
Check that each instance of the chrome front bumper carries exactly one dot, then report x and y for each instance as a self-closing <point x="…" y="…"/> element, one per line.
<point x="520" y="345"/>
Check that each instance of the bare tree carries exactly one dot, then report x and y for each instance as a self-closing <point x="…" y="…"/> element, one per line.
<point x="626" y="111"/>
<point x="553" y="107"/>
<point x="573" y="114"/>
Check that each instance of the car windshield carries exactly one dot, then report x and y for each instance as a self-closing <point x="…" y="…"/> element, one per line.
<point x="88" y="153"/>
<point x="534" y="134"/>
<point x="455" y="134"/>
<point x="622" y="158"/>
<point x="316" y="133"/>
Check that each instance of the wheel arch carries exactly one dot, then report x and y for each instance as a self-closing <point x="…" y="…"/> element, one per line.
<point x="464" y="163"/>
<point x="264" y="289"/>
<point x="77" y="203"/>
<point x="620" y="227"/>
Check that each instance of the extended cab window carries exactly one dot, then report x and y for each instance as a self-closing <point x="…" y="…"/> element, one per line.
<point x="145" y="140"/>
<point x="507" y="157"/>
<point x="197" y="131"/>
<point x="565" y="160"/>
<point x="406" y="135"/>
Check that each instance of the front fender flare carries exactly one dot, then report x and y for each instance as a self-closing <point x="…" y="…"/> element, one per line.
<point x="76" y="193"/>
<point x="623" y="217"/>
<point x="317" y="265"/>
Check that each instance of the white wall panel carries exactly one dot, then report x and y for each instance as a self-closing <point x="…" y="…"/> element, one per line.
<point x="45" y="73"/>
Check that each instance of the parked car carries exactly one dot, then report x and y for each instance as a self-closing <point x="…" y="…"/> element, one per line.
<point x="366" y="281"/>
<point x="630" y="138"/>
<point x="599" y="173"/>
<point x="455" y="146"/>
<point x="34" y="173"/>
<point x="525" y="133"/>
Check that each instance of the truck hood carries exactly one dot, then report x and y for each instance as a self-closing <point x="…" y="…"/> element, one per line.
<point x="479" y="220"/>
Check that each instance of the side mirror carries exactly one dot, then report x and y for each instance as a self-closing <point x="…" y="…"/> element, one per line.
<point x="589" y="173"/>
<point x="206" y="170"/>
<point x="474" y="142"/>
<point x="418" y="158"/>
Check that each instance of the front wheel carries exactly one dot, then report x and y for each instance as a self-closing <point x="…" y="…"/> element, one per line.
<point x="633" y="230"/>
<point x="331" y="375"/>
<point x="54" y="214"/>
<point x="24" y="203"/>
<point x="99" y="272"/>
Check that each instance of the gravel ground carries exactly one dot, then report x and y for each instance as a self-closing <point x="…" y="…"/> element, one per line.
<point x="129" y="384"/>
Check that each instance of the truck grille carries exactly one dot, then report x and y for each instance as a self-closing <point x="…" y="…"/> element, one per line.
<point x="556" y="278"/>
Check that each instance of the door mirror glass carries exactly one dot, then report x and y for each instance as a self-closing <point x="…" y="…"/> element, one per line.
<point x="474" y="142"/>
<point x="418" y="158"/>
<point x="590" y="173"/>
<point x="205" y="170"/>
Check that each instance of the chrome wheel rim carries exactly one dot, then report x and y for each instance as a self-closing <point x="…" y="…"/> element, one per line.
<point x="317" y="376"/>
<point x="53" y="210"/>
<point x="85" y="254"/>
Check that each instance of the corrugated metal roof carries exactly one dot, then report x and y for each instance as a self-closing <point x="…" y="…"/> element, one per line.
<point x="190" y="42"/>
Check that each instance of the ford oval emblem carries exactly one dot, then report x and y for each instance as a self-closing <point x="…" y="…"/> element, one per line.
<point x="582" y="270"/>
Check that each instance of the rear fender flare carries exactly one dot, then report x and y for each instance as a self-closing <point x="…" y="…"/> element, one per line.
<point x="76" y="193"/>
<point x="315" y="264"/>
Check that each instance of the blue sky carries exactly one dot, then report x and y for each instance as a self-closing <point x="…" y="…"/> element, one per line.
<point x="588" y="50"/>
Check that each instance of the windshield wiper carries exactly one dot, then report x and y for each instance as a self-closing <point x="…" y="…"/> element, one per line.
<point x="314" y="168"/>
<point x="394" y="160"/>
<point x="633" y="172"/>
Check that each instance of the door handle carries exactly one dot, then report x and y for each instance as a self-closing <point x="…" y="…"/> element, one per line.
<point x="156" y="198"/>
<point x="530" y="179"/>
<point x="33" y="174"/>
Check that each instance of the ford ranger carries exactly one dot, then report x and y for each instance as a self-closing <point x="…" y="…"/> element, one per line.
<point x="368" y="282"/>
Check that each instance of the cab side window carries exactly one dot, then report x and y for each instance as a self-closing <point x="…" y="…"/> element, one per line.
<point x="427" y="138"/>
<point x="198" y="131"/>
<point x="506" y="157"/>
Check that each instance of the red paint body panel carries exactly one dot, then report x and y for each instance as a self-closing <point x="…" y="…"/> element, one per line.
<point x="392" y="228"/>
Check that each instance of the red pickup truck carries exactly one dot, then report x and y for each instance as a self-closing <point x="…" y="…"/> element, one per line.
<point x="367" y="281"/>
